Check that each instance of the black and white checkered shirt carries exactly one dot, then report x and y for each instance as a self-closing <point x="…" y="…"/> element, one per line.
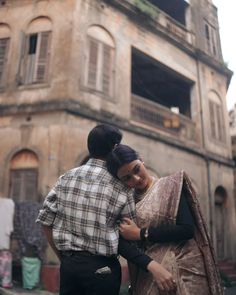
<point x="83" y="208"/>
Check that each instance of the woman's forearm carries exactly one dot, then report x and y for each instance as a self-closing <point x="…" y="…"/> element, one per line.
<point x="167" y="233"/>
<point x="133" y="254"/>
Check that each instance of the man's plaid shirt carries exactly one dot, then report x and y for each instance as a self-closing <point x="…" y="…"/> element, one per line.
<point x="83" y="209"/>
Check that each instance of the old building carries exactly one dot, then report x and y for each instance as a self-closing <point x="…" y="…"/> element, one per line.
<point x="232" y="122"/>
<point x="154" y="68"/>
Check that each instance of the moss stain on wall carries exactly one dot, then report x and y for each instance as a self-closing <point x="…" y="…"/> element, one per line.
<point x="147" y="8"/>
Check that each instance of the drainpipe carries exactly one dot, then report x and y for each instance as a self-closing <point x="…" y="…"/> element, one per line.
<point x="206" y="157"/>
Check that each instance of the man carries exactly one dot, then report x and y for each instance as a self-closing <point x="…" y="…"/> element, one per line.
<point x="79" y="217"/>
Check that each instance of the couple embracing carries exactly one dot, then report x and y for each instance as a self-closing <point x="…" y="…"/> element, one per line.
<point x="112" y="205"/>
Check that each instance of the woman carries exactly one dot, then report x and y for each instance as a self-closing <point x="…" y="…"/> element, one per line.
<point x="170" y="227"/>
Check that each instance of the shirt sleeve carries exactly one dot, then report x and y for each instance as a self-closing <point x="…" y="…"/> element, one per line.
<point x="129" y="208"/>
<point x="49" y="209"/>
<point x="182" y="230"/>
<point x="130" y="251"/>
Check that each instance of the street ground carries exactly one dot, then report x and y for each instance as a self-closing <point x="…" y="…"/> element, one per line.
<point x="230" y="291"/>
<point x="17" y="291"/>
<point x="124" y="291"/>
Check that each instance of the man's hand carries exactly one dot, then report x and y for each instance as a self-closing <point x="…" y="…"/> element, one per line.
<point x="48" y="232"/>
<point x="162" y="277"/>
<point x="129" y="230"/>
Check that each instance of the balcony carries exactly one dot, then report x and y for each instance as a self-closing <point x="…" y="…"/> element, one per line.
<point x="175" y="29"/>
<point x="156" y="116"/>
<point x="164" y="22"/>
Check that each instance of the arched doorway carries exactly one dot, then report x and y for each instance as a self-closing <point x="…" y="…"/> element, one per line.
<point x="220" y="200"/>
<point x="24" y="176"/>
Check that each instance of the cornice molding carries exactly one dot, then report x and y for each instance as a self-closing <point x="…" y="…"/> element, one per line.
<point x="78" y="109"/>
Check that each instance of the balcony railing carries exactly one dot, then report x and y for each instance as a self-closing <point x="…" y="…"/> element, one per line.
<point x="165" y="22"/>
<point x="155" y="115"/>
<point x="176" y="29"/>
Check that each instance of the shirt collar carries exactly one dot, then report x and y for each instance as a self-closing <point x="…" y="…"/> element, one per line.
<point x="97" y="162"/>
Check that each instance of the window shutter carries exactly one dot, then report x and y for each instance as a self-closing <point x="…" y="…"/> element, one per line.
<point x="212" y="119"/>
<point x="207" y="35"/>
<point x="220" y="123"/>
<point x="4" y="45"/>
<point x="15" y="182"/>
<point x="24" y="184"/>
<point x="42" y="57"/>
<point x="214" y="42"/>
<point x="20" y="78"/>
<point x="107" y="69"/>
<point x="30" y="184"/>
<point x="93" y="63"/>
<point x="30" y="58"/>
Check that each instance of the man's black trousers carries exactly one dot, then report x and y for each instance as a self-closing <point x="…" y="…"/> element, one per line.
<point x="84" y="274"/>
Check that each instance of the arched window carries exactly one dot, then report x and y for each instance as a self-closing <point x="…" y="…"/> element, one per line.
<point x="217" y="126"/>
<point x="5" y="34"/>
<point x="24" y="176"/>
<point x="100" y="61"/>
<point x="35" y="52"/>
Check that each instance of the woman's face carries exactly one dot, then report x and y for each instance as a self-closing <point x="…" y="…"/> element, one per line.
<point x="134" y="175"/>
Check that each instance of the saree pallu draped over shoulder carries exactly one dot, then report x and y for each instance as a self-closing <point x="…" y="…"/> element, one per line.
<point x="192" y="262"/>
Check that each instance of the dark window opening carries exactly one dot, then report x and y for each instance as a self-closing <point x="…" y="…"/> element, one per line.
<point x="207" y="32"/>
<point x="174" y="8"/>
<point x="220" y="195"/>
<point x="157" y="83"/>
<point x="33" y="43"/>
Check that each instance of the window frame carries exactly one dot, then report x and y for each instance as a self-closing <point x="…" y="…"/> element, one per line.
<point x="23" y="174"/>
<point x="30" y="63"/>
<point x="103" y="76"/>
<point x="5" y="57"/>
<point x="212" y="39"/>
<point x="217" y="126"/>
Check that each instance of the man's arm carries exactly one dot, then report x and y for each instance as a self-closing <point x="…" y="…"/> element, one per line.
<point x="129" y="209"/>
<point x="48" y="232"/>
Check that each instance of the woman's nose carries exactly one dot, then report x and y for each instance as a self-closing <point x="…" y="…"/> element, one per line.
<point x="136" y="177"/>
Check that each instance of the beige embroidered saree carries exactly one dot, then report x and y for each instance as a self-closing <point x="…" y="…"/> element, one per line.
<point x="191" y="262"/>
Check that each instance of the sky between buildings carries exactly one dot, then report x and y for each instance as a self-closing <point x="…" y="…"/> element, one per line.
<point x="227" y="22"/>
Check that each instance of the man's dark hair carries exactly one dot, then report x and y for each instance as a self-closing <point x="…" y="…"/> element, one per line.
<point x="102" y="139"/>
<point x="119" y="156"/>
